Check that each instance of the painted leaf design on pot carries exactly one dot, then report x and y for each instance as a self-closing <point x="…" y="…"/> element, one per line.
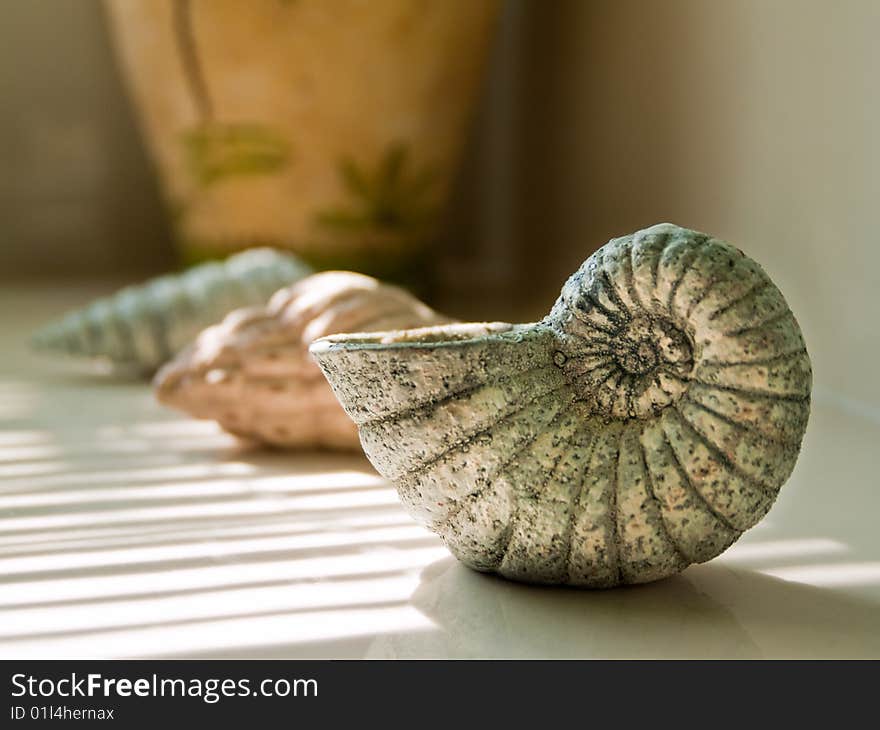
<point x="392" y="198"/>
<point x="216" y="151"/>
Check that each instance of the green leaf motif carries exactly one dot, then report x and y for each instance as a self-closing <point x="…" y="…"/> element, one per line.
<point x="216" y="151"/>
<point x="387" y="199"/>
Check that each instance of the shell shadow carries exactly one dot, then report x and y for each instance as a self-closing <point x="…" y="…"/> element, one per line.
<point x="710" y="611"/>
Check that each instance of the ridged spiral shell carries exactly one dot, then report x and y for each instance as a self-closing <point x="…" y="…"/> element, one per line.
<point x="253" y="373"/>
<point x="642" y="426"/>
<point x="141" y="327"/>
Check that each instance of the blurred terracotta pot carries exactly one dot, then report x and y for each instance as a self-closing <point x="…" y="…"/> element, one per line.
<point x="329" y="127"/>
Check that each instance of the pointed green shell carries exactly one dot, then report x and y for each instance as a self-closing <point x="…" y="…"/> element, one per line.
<point x="141" y="327"/>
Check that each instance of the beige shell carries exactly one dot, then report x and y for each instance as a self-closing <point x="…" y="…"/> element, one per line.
<point x="253" y="373"/>
<point x="642" y="426"/>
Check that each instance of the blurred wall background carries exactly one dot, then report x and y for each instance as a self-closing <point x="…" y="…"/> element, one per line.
<point x="753" y="120"/>
<point x="77" y="194"/>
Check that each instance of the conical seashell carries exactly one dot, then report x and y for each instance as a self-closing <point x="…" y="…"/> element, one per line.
<point x="642" y="426"/>
<point x="253" y="372"/>
<point x="140" y="327"/>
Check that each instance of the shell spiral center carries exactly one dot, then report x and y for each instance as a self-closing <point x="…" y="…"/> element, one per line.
<point x="644" y="344"/>
<point x="641" y="367"/>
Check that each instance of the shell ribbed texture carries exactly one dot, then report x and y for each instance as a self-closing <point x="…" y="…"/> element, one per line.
<point x="144" y="326"/>
<point x="253" y="374"/>
<point x="642" y="426"/>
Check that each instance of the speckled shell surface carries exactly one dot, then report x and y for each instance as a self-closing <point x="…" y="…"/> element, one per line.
<point x="141" y="327"/>
<point x="642" y="426"/>
<point x="253" y="373"/>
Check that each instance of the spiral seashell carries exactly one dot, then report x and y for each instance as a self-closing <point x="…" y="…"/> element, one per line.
<point x="253" y="373"/>
<point x="642" y="426"/>
<point x="140" y="327"/>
